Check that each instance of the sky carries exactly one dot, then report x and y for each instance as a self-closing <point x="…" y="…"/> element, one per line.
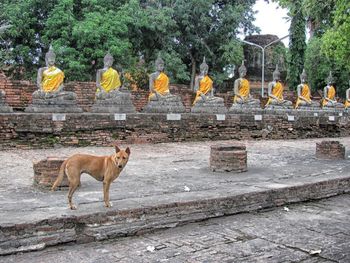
<point x="271" y="19"/>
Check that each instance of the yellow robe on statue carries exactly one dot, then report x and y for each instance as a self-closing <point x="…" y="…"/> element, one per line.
<point x="305" y="92"/>
<point x="244" y="90"/>
<point x="161" y="85"/>
<point x="330" y="95"/>
<point x="52" y="79"/>
<point x="110" y="80"/>
<point x="277" y="91"/>
<point x="347" y="104"/>
<point x="205" y="86"/>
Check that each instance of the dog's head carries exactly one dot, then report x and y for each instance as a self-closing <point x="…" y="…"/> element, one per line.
<point x="121" y="157"/>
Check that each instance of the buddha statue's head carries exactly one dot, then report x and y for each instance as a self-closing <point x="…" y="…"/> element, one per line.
<point x="108" y="60"/>
<point x="204" y="68"/>
<point x="330" y="79"/>
<point x="276" y="74"/>
<point x="50" y="57"/>
<point x="159" y="63"/>
<point x="242" y="70"/>
<point x="303" y="77"/>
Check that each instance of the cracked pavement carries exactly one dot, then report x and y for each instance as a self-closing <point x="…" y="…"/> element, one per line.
<point x="311" y="232"/>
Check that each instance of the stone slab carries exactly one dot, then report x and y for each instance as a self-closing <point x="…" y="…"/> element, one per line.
<point x="163" y="185"/>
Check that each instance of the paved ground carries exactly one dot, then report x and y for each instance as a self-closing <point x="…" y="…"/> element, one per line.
<point x="315" y="232"/>
<point x="159" y="172"/>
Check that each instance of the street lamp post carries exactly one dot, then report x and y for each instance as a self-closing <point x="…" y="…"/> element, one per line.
<point x="263" y="58"/>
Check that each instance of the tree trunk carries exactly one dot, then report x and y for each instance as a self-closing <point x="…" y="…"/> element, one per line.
<point x="193" y="71"/>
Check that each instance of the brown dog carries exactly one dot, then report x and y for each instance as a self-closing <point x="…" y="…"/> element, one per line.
<point x="103" y="168"/>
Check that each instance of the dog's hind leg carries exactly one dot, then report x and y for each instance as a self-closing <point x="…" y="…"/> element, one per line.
<point x="72" y="188"/>
<point x="74" y="183"/>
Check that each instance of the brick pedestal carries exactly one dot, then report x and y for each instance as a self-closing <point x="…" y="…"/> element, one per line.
<point x="330" y="150"/>
<point x="46" y="172"/>
<point x="228" y="158"/>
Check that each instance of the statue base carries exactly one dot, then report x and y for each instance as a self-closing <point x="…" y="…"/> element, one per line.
<point x="278" y="107"/>
<point x="172" y="104"/>
<point x="62" y="102"/>
<point x="309" y="108"/>
<point x="114" y="102"/>
<point x="242" y="108"/>
<point x="4" y="108"/>
<point x="209" y="107"/>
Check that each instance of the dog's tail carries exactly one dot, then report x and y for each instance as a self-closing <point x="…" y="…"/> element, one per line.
<point x="61" y="174"/>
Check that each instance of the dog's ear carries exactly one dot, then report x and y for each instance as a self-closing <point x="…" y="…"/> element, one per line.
<point x="117" y="149"/>
<point x="127" y="150"/>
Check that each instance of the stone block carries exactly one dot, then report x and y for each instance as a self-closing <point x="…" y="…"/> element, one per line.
<point x="330" y="150"/>
<point x="228" y="158"/>
<point x="46" y="172"/>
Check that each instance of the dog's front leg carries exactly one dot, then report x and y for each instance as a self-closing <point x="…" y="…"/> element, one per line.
<point x="106" y="185"/>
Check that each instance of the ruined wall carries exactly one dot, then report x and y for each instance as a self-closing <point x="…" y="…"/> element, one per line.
<point x="24" y="130"/>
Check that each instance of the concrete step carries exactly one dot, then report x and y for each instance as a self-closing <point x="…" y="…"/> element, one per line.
<point x="133" y="216"/>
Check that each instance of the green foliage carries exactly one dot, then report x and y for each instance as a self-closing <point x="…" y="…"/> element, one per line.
<point x="82" y="31"/>
<point x="317" y="66"/>
<point x="297" y="45"/>
<point x="319" y="14"/>
<point x="336" y="40"/>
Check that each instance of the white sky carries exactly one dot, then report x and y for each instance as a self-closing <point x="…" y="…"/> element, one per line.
<point x="271" y="19"/>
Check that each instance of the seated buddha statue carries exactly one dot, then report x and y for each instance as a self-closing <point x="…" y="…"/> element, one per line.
<point x="160" y="99"/>
<point x="109" y="96"/>
<point x="203" y="85"/>
<point x="275" y="92"/>
<point x="50" y="96"/>
<point x="242" y="89"/>
<point x="304" y="93"/>
<point x="107" y="78"/>
<point x="329" y="94"/>
<point x="50" y="79"/>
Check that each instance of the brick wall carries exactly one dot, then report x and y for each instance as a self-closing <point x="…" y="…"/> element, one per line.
<point x="19" y="94"/>
<point x="24" y="130"/>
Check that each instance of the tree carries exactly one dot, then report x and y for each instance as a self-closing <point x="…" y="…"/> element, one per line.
<point x="336" y="40"/>
<point x="82" y="31"/>
<point x="297" y="44"/>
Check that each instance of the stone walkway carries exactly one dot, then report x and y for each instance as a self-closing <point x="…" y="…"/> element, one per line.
<point x="164" y="176"/>
<point x="316" y="232"/>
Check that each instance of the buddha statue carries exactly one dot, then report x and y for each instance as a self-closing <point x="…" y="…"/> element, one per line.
<point x="50" y="78"/>
<point x="329" y="94"/>
<point x="107" y="78"/>
<point x="241" y="89"/>
<point x="304" y="93"/>
<point x="110" y="96"/>
<point x="347" y="100"/>
<point x="160" y="99"/>
<point x="50" y="96"/>
<point x="275" y="92"/>
<point x="205" y="101"/>
<point x="159" y="82"/>
<point x="3" y="105"/>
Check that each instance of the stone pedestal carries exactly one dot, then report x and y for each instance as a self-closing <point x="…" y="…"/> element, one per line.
<point x="228" y="158"/>
<point x="211" y="106"/>
<point x="114" y="102"/>
<point x="167" y="104"/>
<point x="61" y="102"/>
<point x="46" y="172"/>
<point x="244" y="108"/>
<point x="330" y="150"/>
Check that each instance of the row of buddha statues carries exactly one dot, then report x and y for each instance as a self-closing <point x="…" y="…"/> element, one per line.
<point x="112" y="97"/>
